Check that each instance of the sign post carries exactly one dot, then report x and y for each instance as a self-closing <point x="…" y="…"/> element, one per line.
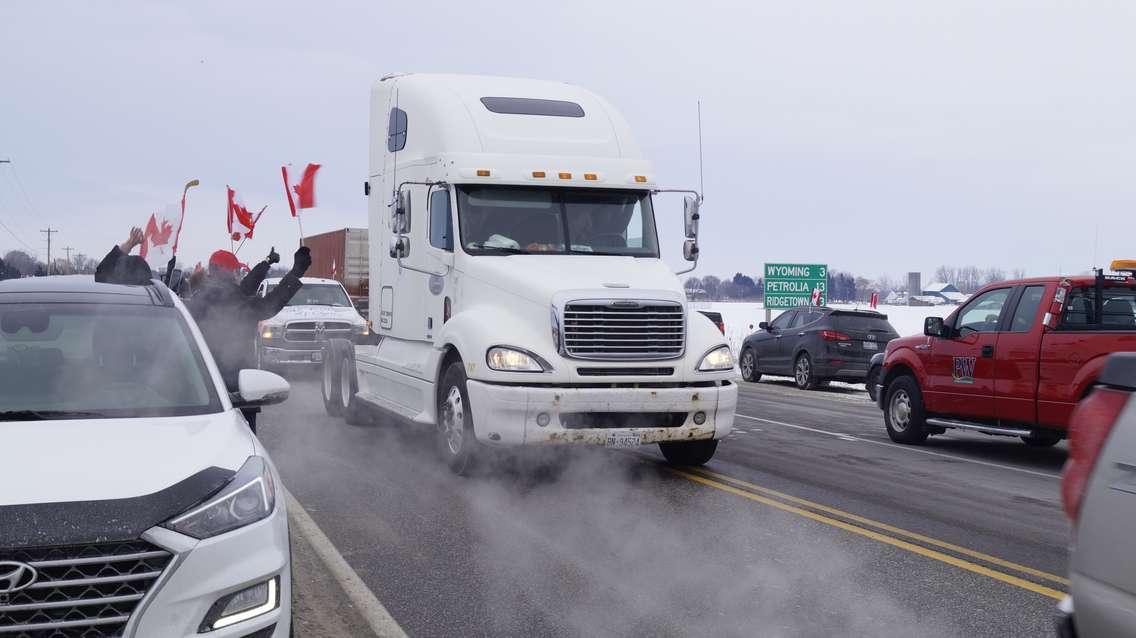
<point x="793" y="285"/>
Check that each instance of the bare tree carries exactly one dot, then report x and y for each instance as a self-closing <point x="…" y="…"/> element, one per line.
<point x="993" y="275"/>
<point x="1018" y="273"/>
<point x="947" y="275"/>
<point x="21" y="262"/>
<point x="711" y="285"/>
<point x="885" y="284"/>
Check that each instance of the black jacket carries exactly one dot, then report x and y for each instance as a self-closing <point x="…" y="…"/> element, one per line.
<point x="119" y="268"/>
<point x="228" y="313"/>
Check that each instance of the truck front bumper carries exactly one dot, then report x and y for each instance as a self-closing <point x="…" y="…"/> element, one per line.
<point x="528" y="415"/>
<point x="272" y="355"/>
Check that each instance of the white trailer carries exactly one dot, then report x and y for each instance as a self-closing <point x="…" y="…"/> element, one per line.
<point x="517" y="292"/>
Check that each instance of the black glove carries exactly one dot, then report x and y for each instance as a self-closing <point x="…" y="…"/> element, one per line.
<point x="273" y="256"/>
<point x="301" y="261"/>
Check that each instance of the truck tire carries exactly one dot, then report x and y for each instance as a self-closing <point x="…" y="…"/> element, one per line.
<point x="748" y="365"/>
<point x="352" y="409"/>
<point x="1042" y="438"/>
<point x="688" y="452"/>
<point x="456" y="443"/>
<point x="330" y="381"/>
<point x="904" y="416"/>
<point x="804" y="373"/>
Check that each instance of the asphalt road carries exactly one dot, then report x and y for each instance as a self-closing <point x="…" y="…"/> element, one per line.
<point x="808" y="522"/>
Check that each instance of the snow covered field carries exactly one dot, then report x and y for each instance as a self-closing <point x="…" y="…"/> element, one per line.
<point x="742" y="318"/>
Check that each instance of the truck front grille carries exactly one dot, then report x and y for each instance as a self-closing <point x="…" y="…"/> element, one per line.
<point x="310" y="331"/>
<point x="625" y="330"/>
<point x="87" y="591"/>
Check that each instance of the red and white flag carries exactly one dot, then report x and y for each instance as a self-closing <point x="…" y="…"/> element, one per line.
<point x="163" y="230"/>
<point x="875" y="299"/>
<point x="241" y="220"/>
<point x="301" y="192"/>
<point x="816" y="297"/>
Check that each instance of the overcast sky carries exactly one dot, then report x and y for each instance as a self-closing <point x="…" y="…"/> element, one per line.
<point x="878" y="137"/>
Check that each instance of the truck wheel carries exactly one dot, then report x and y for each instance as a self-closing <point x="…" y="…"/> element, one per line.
<point x="688" y="452"/>
<point x="1042" y="438"/>
<point x="803" y="372"/>
<point x="331" y="381"/>
<point x="904" y="416"/>
<point x="871" y="381"/>
<point x="456" y="441"/>
<point x="353" y="410"/>
<point x="748" y="364"/>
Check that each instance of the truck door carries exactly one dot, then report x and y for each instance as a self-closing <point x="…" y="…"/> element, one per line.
<point x="960" y="369"/>
<point x="1016" y="367"/>
<point x="441" y="259"/>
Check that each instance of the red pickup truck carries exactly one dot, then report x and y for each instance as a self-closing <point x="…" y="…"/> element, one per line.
<point x="1014" y="360"/>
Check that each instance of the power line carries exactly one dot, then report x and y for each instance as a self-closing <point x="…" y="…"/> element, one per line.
<point x="11" y="232"/>
<point x="68" y="249"/>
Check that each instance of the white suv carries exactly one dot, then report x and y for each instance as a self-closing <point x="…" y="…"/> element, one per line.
<point x="321" y="310"/>
<point x="136" y="502"/>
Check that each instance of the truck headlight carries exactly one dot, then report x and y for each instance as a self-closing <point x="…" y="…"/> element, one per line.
<point x="506" y="359"/>
<point x="271" y="330"/>
<point x="249" y="497"/>
<point x="555" y="329"/>
<point x="717" y="360"/>
<point x="363" y="330"/>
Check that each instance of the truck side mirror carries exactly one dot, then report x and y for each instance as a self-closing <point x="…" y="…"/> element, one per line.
<point x="399" y="247"/>
<point x="690" y="213"/>
<point x="400" y="218"/>
<point x="690" y="250"/>
<point x="934" y="327"/>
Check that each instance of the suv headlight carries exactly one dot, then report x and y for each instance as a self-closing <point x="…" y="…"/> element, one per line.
<point x="249" y="497"/>
<point x="717" y="360"/>
<point x="506" y="359"/>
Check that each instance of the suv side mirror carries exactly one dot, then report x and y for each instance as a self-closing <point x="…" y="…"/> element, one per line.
<point x="764" y="325"/>
<point x="690" y="214"/>
<point x="399" y="246"/>
<point x="256" y="388"/>
<point x="934" y="327"/>
<point x="690" y="250"/>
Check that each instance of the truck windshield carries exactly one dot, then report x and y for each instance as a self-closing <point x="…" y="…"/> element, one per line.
<point x="318" y="295"/>
<point x="90" y="361"/>
<point x="496" y="220"/>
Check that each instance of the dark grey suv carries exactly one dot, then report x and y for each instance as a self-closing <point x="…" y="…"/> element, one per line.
<point x="816" y="345"/>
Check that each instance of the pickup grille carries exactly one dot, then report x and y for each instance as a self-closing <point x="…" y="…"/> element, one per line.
<point x="637" y="331"/>
<point x="309" y="331"/>
<point x="89" y="591"/>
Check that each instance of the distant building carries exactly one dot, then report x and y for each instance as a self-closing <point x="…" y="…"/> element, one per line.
<point x="896" y="298"/>
<point x="949" y="293"/>
<point x="914" y="283"/>
<point x="926" y="300"/>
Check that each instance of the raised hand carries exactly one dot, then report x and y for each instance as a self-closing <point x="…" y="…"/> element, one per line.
<point x="273" y="256"/>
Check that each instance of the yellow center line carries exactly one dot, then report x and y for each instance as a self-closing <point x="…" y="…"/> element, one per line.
<point x="876" y="536"/>
<point x="994" y="560"/>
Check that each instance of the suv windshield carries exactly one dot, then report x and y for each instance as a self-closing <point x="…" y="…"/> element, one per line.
<point x="60" y="361"/>
<point x="318" y="295"/>
<point x="862" y="323"/>
<point x="497" y="220"/>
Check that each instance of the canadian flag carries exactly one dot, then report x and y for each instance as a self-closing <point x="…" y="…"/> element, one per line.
<point x="875" y="299"/>
<point x="301" y="193"/>
<point x="816" y="296"/>
<point x="163" y="230"/>
<point x="241" y="220"/>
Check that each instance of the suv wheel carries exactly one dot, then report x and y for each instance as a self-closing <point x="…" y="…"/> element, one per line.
<point x="748" y="365"/>
<point x="1042" y="438"/>
<point x="904" y="416"/>
<point x="803" y="372"/>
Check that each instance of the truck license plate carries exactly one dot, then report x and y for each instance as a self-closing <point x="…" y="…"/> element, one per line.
<point x="871" y="345"/>
<point x="622" y="440"/>
<point x="317" y="357"/>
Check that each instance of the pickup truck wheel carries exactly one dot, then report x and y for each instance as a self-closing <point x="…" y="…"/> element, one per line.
<point x="748" y="364"/>
<point x="1042" y="439"/>
<point x="688" y="452"/>
<point x="803" y="372"/>
<point x="904" y="416"/>
<point x="456" y="441"/>
<point x="330" y="381"/>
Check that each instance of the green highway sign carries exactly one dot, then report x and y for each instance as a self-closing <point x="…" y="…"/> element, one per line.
<point x="792" y="285"/>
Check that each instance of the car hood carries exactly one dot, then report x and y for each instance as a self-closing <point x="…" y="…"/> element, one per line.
<point x="104" y="459"/>
<point x="539" y="277"/>
<point x="317" y="313"/>
<point x="905" y="342"/>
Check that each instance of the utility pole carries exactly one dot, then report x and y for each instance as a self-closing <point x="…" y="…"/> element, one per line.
<point x="70" y="264"/>
<point x="49" y="232"/>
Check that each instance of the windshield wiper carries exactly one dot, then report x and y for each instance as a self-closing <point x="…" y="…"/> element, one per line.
<point x="47" y="415"/>
<point x="501" y="250"/>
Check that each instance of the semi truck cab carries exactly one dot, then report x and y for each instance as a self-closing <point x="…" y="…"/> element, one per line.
<point x="518" y="295"/>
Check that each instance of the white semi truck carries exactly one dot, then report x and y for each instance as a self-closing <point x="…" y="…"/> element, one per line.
<point x="517" y="294"/>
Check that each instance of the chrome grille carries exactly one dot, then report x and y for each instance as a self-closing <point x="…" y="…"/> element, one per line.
<point x="83" y="591"/>
<point x="309" y="331"/>
<point x="622" y="329"/>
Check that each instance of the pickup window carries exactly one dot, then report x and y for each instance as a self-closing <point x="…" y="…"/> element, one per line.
<point x="983" y="313"/>
<point x="1117" y="310"/>
<point x="1026" y="313"/>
